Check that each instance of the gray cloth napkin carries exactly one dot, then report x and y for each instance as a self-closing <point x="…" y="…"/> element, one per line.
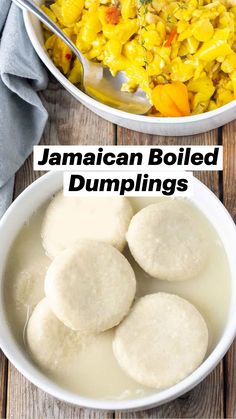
<point x="22" y="115"/>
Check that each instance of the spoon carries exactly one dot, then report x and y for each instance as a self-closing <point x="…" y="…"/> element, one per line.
<point x="97" y="81"/>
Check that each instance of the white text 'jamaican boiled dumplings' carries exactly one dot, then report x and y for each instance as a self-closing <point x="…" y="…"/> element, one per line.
<point x="69" y="219"/>
<point x="48" y="339"/>
<point x="90" y="286"/>
<point x="168" y="241"/>
<point x="162" y="340"/>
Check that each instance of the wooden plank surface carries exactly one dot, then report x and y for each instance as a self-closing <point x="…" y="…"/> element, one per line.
<point x="71" y="123"/>
<point x="3" y="384"/>
<point x="229" y="199"/>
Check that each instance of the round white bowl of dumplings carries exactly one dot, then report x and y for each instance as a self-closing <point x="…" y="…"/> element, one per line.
<point x="178" y="126"/>
<point x="27" y="204"/>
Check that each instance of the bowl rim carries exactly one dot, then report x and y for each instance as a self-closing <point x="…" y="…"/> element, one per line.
<point x="76" y="92"/>
<point x="51" y="182"/>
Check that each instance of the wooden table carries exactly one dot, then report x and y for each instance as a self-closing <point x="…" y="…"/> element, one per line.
<point x="71" y="123"/>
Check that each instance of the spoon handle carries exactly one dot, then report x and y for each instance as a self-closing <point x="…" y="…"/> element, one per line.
<point x="32" y="7"/>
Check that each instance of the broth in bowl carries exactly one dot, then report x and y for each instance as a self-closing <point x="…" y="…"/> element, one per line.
<point x="89" y="367"/>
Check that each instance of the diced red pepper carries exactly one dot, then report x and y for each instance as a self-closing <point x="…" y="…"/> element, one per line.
<point x="171" y="38"/>
<point x="68" y="56"/>
<point x="113" y="15"/>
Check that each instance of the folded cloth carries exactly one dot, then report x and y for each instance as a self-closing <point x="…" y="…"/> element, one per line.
<point x="22" y="115"/>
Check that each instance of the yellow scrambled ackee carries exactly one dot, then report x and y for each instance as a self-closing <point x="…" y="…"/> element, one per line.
<point x="182" y="53"/>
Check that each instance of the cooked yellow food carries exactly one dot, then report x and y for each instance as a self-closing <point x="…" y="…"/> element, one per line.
<point x="181" y="53"/>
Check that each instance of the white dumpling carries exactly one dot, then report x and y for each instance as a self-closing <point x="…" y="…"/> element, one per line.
<point x="162" y="340"/>
<point x="90" y="286"/>
<point x="168" y="241"/>
<point x="49" y="341"/>
<point x="68" y="219"/>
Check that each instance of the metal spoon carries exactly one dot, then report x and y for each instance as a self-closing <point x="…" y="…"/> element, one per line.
<point x="97" y="81"/>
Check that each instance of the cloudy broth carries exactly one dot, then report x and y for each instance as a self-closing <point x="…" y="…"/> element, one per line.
<point x="92" y="370"/>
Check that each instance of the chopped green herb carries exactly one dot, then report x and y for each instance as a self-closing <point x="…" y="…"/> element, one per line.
<point x="144" y="2"/>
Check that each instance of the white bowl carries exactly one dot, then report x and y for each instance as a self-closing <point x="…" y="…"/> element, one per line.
<point x="150" y="125"/>
<point x="22" y="209"/>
